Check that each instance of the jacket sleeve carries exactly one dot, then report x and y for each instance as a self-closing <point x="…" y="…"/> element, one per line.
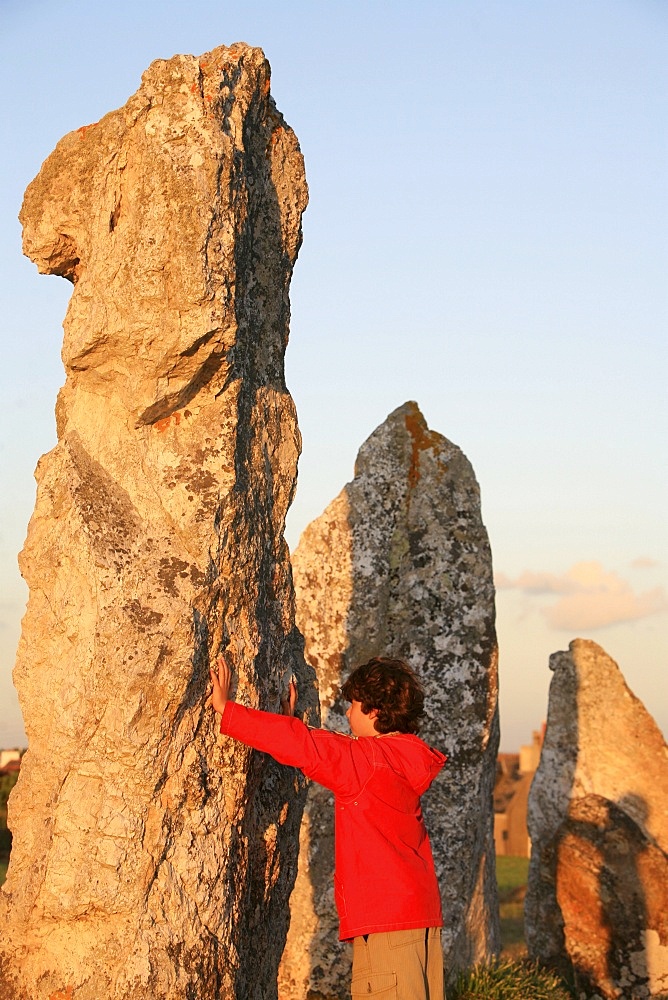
<point x="336" y="761"/>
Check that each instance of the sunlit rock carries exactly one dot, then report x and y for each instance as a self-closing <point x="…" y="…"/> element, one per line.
<point x="151" y="858"/>
<point x="597" y="900"/>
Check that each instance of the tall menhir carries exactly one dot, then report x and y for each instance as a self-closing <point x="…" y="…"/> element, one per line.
<point x="151" y="858"/>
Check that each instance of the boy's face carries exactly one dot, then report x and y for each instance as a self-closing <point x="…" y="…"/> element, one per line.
<point x="361" y="724"/>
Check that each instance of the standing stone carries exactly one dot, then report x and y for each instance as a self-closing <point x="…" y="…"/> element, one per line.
<point x="399" y="564"/>
<point x="597" y="899"/>
<point x="152" y="858"/>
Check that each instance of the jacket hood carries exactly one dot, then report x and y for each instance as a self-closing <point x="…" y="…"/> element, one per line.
<point x="410" y="756"/>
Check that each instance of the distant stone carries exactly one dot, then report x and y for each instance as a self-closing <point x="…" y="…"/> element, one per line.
<point x="597" y="899"/>
<point x="399" y="564"/>
<point x="151" y="858"/>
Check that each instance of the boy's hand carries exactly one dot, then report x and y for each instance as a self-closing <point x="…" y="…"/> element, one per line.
<point x="288" y="703"/>
<point x="221" y="689"/>
<point x="221" y="684"/>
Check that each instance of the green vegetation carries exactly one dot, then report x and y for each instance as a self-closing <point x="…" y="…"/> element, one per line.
<point x="511" y="879"/>
<point x="511" y="874"/>
<point x="508" y="980"/>
<point x="512" y="977"/>
<point x="7" y="782"/>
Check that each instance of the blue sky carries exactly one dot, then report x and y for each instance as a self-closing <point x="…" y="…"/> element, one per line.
<point x="486" y="235"/>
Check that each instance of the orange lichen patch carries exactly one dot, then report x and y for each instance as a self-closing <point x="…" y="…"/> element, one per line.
<point x="84" y="128"/>
<point x="421" y="440"/>
<point x="65" y="994"/>
<point x="162" y="425"/>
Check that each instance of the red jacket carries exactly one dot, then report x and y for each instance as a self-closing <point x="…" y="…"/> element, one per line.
<point x="384" y="878"/>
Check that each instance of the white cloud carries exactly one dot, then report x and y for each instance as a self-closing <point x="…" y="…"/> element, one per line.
<point x="535" y="583"/>
<point x="589" y="611"/>
<point x="589" y="597"/>
<point x="644" y="562"/>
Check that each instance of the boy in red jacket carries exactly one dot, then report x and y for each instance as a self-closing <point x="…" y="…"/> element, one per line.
<point x="385" y="885"/>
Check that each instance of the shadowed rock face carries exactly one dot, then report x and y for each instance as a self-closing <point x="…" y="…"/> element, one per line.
<point x="151" y="858"/>
<point x="597" y="899"/>
<point x="399" y="564"/>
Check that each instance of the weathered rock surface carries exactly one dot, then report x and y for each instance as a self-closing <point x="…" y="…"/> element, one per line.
<point x="151" y="858"/>
<point x="597" y="899"/>
<point x="399" y="564"/>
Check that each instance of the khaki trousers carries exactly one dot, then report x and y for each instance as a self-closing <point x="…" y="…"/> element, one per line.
<point x="399" y="965"/>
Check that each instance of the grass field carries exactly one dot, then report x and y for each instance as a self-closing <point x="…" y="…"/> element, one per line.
<point x="511" y="878"/>
<point x="509" y="980"/>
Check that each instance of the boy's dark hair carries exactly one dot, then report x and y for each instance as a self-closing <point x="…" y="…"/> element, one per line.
<point x="390" y="687"/>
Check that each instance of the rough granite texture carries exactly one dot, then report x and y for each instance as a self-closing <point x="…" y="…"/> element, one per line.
<point x="597" y="899"/>
<point x="152" y="858"/>
<point x="400" y="564"/>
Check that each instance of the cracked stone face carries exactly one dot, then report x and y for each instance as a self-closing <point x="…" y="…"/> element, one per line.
<point x="399" y="564"/>
<point x="150" y="857"/>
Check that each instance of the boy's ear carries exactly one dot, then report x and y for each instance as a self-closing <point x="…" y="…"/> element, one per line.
<point x="373" y="714"/>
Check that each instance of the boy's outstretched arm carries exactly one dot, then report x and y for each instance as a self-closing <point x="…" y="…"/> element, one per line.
<point x="326" y="757"/>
